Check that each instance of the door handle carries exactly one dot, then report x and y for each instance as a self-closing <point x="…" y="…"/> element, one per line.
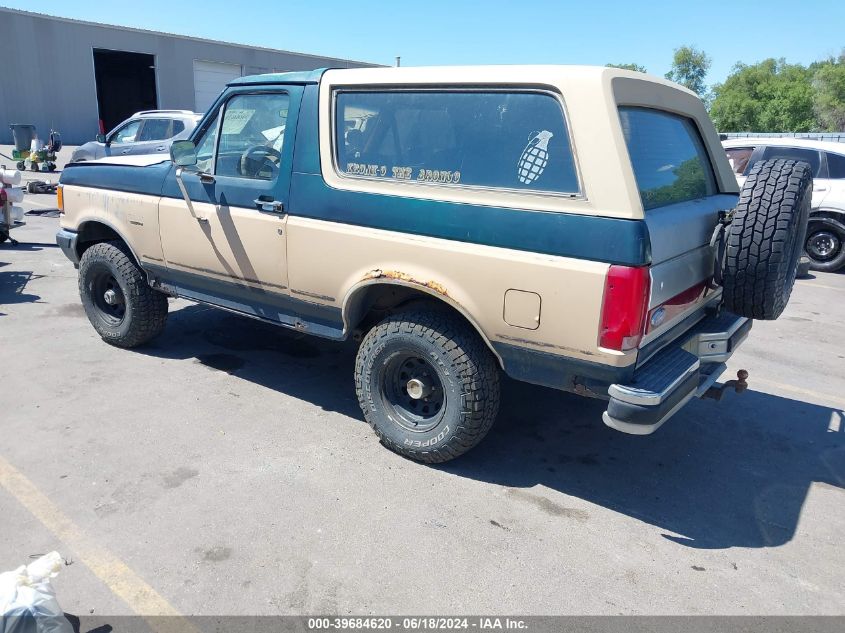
<point x="269" y="206"/>
<point x="160" y="148"/>
<point x="126" y="151"/>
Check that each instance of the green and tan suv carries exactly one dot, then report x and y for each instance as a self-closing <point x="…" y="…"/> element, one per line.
<point x="573" y="227"/>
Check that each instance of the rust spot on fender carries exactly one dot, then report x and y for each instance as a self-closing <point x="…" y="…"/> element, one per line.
<point x="400" y="276"/>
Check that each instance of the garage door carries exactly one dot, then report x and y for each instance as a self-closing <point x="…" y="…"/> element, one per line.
<point x="209" y="80"/>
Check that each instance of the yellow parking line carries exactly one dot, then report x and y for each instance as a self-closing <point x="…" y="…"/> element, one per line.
<point x="836" y="400"/>
<point x="823" y="286"/>
<point x="123" y="582"/>
<point x="40" y="204"/>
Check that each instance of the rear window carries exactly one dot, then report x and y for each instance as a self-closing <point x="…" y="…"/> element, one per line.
<point x="512" y="140"/>
<point x="668" y="157"/>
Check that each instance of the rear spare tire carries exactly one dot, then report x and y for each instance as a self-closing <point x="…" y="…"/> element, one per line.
<point x="765" y="238"/>
<point x="120" y="304"/>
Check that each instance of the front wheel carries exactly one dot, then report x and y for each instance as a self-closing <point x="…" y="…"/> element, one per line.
<point x="825" y="244"/>
<point x="119" y="303"/>
<point x="427" y="384"/>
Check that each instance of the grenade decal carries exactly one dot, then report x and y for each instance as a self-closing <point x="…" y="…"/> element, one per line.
<point x="534" y="157"/>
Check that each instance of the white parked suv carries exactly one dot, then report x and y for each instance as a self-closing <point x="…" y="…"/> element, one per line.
<point x="147" y="132"/>
<point x="825" y="244"/>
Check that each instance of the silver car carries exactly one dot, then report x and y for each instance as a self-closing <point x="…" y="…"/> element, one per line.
<point x="147" y="132"/>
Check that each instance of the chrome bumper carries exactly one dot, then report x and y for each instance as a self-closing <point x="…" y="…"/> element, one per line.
<point x="684" y="370"/>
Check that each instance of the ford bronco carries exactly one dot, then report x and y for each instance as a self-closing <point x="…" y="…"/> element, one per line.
<point x="573" y="227"/>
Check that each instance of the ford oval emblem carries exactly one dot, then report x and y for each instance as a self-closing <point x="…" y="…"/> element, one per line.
<point x="658" y="316"/>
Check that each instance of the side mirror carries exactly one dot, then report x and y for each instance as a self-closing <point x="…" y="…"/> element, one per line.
<point x="101" y="138"/>
<point x="183" y="153"/>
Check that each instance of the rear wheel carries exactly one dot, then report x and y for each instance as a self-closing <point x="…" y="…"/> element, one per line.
<point x="427" y="384"/>
<point x="766" y="237"/>
<point x="825" y="244"/>
<point x="120" y="304"/>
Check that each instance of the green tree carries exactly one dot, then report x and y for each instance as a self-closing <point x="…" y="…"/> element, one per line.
<point x="689" y="68"/>
<point x="771" y="96"/>
<point x="829" y="94"/>
<point x="636" y="67"/>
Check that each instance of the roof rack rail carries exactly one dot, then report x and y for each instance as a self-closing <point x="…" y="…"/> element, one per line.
<point x="163" y="112"/>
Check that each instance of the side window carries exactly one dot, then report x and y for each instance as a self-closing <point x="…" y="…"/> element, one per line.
<point x="206" y="142"/>
<point x="178" y="127"/>
<point x="738" y="157"/>
<point x="504" y="139"/>
<point x="252" y="135"/>
<point x="835" y="165"/>
<point x="810" y="156"/>
<point x="127" y="133"/>
<point x="668" y="156"/>
<point x="155" y="130"/>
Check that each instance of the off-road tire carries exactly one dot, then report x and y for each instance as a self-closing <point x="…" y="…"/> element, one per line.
<point x="831" y="225"/>
<point x="145" y="309"/>
<point x="766" y="238"/>
<point x="467" y="372"/>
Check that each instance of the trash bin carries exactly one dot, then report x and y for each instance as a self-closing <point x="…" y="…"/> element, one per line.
<point x="23" y="134"/>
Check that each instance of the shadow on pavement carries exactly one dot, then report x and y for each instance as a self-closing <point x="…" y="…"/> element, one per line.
<point x="27" y="247"/>
<point x="12" y="286"/>
<point x="718" y="475"/>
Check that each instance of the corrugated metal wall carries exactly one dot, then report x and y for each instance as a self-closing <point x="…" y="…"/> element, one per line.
<point x="47" y="69"/>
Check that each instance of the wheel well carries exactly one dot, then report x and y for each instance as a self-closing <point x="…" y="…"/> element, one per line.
<point x="836" y="216"/>
<point x="91" y="233"/>
<point x="372" y="303"/>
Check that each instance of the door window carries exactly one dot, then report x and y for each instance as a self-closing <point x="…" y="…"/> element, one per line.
<point x="670" y="162"/>
<point x="738" y="157"/>
<point x="835" y="165"/>
<point x="252" y="135"/>
<point x="507" y="139"/>
<point x="155" y="130"/>
<point x="127" y="133"/>
<point x="810" y="156"/>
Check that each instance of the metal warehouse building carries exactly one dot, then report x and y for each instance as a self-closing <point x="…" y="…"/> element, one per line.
<point x="80" y="77"/>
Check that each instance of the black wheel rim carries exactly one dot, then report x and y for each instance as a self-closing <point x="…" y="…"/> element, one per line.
<point x="412" y="392"/>
<point x="107" y="296"/>
<point x="823" y="245"/>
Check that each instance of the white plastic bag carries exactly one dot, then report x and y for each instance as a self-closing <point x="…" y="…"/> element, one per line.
<point x="27" y="601"/>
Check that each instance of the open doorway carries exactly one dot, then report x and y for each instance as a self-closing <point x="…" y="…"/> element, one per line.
<point x="126" y="83"/>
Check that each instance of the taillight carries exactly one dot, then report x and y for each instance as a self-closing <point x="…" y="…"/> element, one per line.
<point x="626" y="293"/>
<point x="60" y="199"/>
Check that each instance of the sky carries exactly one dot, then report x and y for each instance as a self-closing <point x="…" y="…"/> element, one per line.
<point x="438" y="32"/>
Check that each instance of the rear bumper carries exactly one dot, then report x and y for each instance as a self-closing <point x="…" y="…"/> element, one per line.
<point x="67" y="242"/>
<point x="684" y="370"/>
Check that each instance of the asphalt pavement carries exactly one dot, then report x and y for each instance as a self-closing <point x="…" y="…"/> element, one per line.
<point x="226" y="469"/>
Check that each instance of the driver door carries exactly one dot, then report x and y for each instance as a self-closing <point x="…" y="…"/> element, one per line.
<point x="232" y="249"/>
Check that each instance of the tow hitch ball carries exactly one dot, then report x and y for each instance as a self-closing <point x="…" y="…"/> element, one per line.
<point x="739" y="386"/>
